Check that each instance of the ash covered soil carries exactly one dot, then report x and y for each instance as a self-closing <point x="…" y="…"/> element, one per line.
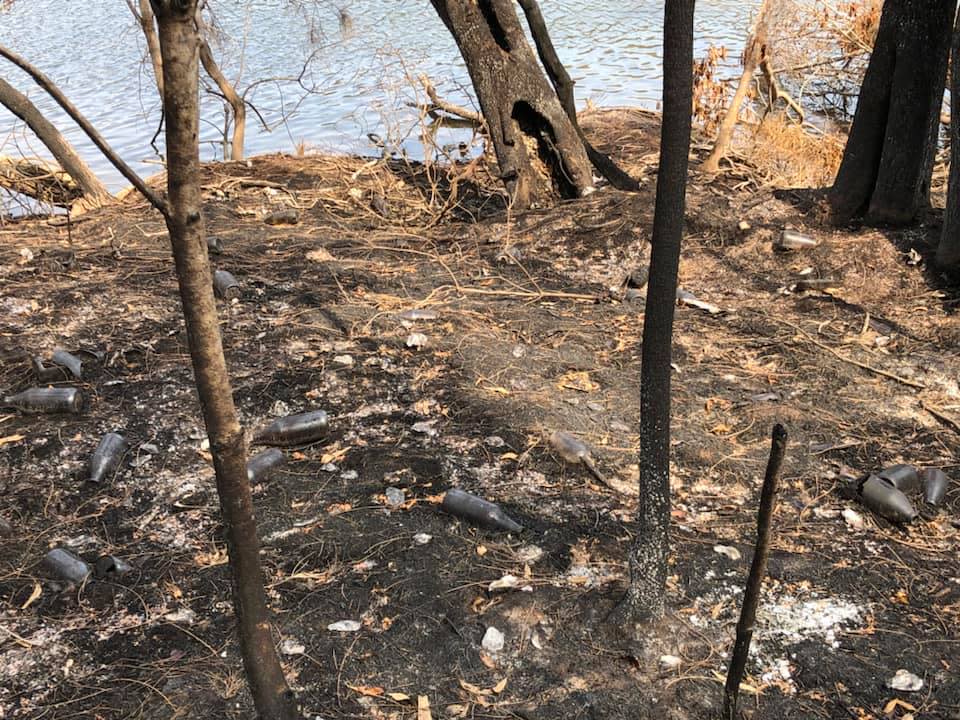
<point x="528" y="338"/>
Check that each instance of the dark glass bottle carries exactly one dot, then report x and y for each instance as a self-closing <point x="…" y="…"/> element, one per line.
<point x="46" y="400"/>
<point x="106" y="458"/>
<point x="477" y="510"/>
<point x="294" y="430"/>
<point x="261" y="465"/>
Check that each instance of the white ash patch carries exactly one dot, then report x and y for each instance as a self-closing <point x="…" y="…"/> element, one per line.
<point x="784" y="618"/>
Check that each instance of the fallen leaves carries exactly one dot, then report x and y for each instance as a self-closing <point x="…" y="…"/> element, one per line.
<point x="577" y="380"/>
<point x="482" y="696"/>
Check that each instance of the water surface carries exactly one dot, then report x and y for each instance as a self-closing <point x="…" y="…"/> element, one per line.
<point x="359" y="80"/>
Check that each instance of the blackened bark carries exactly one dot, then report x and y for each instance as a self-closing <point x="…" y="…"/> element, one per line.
<point x="563" y="85"/>
<point x="758" y="568"/>
<point x="62" y="151"/>
<point x="948" y="251"/>
<point x="538" y="149"/>
<point x="648" y="559"/>
<point x="886" y="167"/>
<point x="179" y="45"/>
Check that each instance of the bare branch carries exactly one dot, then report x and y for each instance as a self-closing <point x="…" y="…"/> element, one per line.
<point x="47" y="84"/>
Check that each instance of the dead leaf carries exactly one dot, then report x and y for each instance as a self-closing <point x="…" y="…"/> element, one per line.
<point x="900" y="598"/>
<point x="320" y="255"/>
<point x="11" y="439"/>
<point x="217" y="556"/>
<point x="333" y="455"/>
<point x="338" y="508"/>
<point x="481" y="550"/>
<point x="37" y="592"/>
<point x="499" y="687"/>
<point x="891" y="706"/>
<point x="488" y="661"/>
<point x="368" y="690"/>
<point x="472" y="689"/>
<point x="577" y="380"/>
<point x="386" y="623"/>
<point x="423" y="708"/>
<point x="399" y="697"/>
<point x="509" y="456"/>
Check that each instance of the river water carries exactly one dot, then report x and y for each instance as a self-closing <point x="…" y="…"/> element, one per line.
<point x="358" y="75"/>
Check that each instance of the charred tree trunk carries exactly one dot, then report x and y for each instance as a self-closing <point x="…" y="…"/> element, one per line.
<point x="538" y="149"/>
<point x="563" y="85"/>
<point x="19" y="104"/>
<point x="180" y="45"/>
<point x="948" y="252"/>
<point x="887" y="163"/>
<point x="648" y="558"/>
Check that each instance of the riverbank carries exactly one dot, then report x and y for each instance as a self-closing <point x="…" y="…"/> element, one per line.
<point x="528" y="338"/>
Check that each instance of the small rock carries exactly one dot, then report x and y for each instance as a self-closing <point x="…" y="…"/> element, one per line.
<point x="140" y="460"/>
<point x="183" y="615"/>
<point x="329" y="467"/>
<point x="422" y="538"/>
<point x="150" y="448"/>
<point x="743" y="226"/>
<point x="670" y="662"/>
<point x="494" y="441"/>
<point x="507" y="582"/>
<point x="853" y="519"/>
<point x="349" y="475"/>
<point x="727" y="551"/>
<point x="529" y="554"/>
<point x="395" y="497"/>
<point x="905" y="680"/>
<point x="344" y="626"/>
<point x="425" y="427"/>
<point x="346" y="360"/>
<point x="279" y="409"/>
<point x="416" y="340"/>
<point x="492" y="640"/>
<point x="291" y="646"/>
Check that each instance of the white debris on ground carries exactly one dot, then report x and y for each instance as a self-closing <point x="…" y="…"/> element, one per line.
<point x="784" y="618"/>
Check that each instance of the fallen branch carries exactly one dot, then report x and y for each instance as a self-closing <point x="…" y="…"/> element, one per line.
<point x="38" y="179"/>
<point x="47" y="84"/>
<point x="751" y="56"/>
<point x="437" y="103"/>
<point x="857" y="363"/>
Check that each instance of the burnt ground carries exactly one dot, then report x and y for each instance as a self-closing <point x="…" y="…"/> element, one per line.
<point x="528" y="339"/>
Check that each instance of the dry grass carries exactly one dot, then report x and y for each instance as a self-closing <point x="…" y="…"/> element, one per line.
<point x="791" y="155"/>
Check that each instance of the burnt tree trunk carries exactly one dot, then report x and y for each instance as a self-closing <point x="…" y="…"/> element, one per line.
<point x="563" y="85"/>
<point x="538" y="149"/>
<point x="648" y="557"/>
<point x="19" y="104"/>
<point x="948" y="251"/>
<point x="886" y="167"/>
<point x="180" y="48"/>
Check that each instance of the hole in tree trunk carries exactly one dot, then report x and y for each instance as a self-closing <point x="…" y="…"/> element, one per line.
<point x="496" y="29"/>
<point x="535" y="126"/>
